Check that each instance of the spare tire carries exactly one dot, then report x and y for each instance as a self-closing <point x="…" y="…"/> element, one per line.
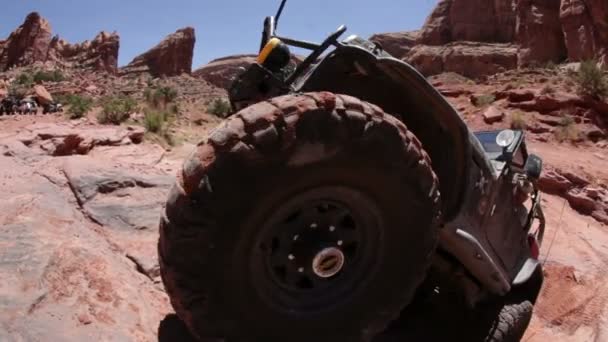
<point x="310" y="217"/>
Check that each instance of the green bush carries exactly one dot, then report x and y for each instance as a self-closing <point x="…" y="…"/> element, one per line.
<point x="61" y="98"/>
<point x="154" y="120"/>
<point x="17" y="90"/>
<point x="48" y="76"/>
<point x="219" y="107"/>
<point x="78" y="106"/>
<point x="116" y="109"/>
<point x="591" y="80"/>
<point x="157" y="123"/>
<point x="160" y="97"/>
<point x="25" y="79"/>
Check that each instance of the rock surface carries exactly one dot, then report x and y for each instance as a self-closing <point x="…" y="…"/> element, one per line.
<point x="397" y="44"/>
<point x="78" y="240"/>
<point x="470" y="59"/>
<point x="222" y="71"/>
<point x="493" y="115"/>
<point x="171" y="57"/>
<point x="65" y="139"/>
<point x="42" y="95"/>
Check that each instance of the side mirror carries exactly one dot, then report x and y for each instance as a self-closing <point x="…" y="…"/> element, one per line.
<point x="533" y="167"/>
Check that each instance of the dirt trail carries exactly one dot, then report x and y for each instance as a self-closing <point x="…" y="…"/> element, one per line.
<point x="573" y="305"/>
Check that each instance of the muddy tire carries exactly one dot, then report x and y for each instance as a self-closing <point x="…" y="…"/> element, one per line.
<point x="309" y="217"/>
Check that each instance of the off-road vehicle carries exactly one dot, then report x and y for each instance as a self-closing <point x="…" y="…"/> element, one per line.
<point x="344" y="187"/>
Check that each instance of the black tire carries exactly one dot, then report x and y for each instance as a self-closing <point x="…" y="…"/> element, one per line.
<point x="217" y="263"/>
<point x="499" y="319"/>
<point x="510" y="323"/>
<point x="514" y="311"/>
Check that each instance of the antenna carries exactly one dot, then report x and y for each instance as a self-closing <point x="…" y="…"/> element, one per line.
<point x="276" y="17"/>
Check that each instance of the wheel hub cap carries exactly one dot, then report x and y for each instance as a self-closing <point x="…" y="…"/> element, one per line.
<point x="328" y="262"/>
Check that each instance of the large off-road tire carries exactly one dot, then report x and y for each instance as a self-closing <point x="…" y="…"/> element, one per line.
<point x="309" y="217"/>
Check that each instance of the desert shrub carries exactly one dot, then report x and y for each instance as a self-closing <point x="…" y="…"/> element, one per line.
<point x="48" y="76"/>
<point x="18" y="90"/>
<point x="484" y="100"/>
<point x="551" y="65"/>
<point x="157" y="124"/>
<point x="591" y="80"/>
<point x="25" y="79"/>
<point x="154" y="120"/>
<point x="567" y="130"/>
<point x="61" y="98"/>
<point x="78" y="106"/>
<point x="518" y="121"/>
<point x="219" y="107"/>
<point x="160" y="97"/>
<point x="116" y="109"/>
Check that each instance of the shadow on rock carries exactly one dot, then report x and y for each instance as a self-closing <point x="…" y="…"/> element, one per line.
<point x="172" y="329"/>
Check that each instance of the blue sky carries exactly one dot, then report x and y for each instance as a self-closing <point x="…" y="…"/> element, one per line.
<point x="223" y="27"/>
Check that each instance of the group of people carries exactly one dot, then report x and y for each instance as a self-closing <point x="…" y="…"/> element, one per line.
<point x="13" y="105"/>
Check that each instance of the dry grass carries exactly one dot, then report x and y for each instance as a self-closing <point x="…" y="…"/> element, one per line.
<point x="484" y="100"/>
<point x="518" y="121"/>
<point x="567" y="130"/>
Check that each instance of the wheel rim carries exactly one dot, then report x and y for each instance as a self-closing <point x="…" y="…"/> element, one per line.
<point x="318" y="249"/>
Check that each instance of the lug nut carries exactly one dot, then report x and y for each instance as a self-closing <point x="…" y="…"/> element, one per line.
<point x="340" y="242"/>
<point x="313" y="226"/>
<point x="301" y="269"/>
<point x="291" y="257"/>
<point x="295" y="237"/>
<point x="332" y="228"/>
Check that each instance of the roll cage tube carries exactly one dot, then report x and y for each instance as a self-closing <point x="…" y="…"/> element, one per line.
<point x="270" y="25"/>
<point x="269" y="32"/>
<point x="317" y="49"/>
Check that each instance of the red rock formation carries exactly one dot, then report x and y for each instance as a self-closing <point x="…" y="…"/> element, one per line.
<point x="99" y="54"/>
<point x="28" y="44"/>
<point x="469" y="59"/>
<point x="539" y="32"/>
<point x="397" y="44"/>
<point x="172" y="56"/>
<point x="585" y="26"/>
<point x="472" y="20"/>
<point x="33" y="42"/>
<point x="220" y="72"/>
